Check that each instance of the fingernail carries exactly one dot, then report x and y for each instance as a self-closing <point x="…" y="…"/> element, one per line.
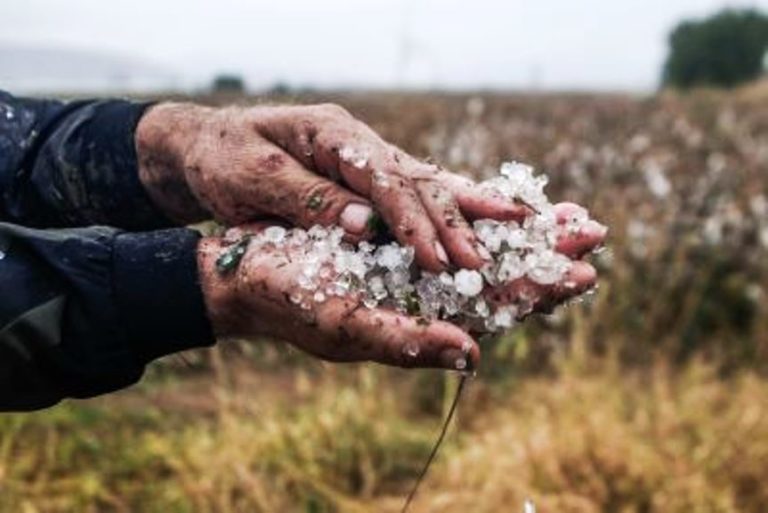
<point x="354" y="218"/>
<point x="483" y="252"/>
<point x="441" y="254"/>
<point x="454" y="359"/>
<point x="600" y="230"/>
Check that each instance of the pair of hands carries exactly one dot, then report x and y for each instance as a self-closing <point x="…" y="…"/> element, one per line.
<point x="309" y="165"/>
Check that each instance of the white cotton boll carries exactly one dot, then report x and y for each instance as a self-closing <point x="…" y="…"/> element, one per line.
<point x="468" y="283"/>
<point x="529" y="507"/>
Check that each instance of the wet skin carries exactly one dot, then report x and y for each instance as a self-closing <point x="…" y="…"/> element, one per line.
<point x="317" y="164"/>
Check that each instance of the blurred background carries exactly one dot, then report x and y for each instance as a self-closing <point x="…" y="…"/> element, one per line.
<point x="651" y="396"/>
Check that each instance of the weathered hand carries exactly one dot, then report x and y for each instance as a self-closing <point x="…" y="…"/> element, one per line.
<point x="309" y="165"/>
<point x="256" y="300"/>
<point x="259" y="298"/>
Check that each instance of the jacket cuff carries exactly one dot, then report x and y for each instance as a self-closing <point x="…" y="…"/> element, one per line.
<point x="158" y="293"/>
<point x="122" y="196"/>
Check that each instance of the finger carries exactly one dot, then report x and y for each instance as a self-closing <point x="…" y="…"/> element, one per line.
<point x="456" y="235"/>
<point x="374" y="169"/>
<point x="407" y="218"/>
<point x="589" y="235"/>
<point x="530" y="296"/>
<point x="580" y="278"/>
<point x="392" y="338"/>
<point x="476" y="203"/>
<point x="307" y="199"/>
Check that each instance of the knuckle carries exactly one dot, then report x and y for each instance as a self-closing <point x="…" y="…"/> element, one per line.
<point x="320" y="202"/>
<point x="333" y="110"/>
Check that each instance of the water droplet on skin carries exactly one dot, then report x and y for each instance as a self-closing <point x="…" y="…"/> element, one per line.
<point x="411" y="349"/>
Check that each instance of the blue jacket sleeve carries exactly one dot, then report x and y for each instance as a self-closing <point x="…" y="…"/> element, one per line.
<point x="83" y="310"/>
<point x="72" y="164"/>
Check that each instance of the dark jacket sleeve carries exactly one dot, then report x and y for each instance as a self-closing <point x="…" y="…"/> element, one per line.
<point x="84" y="310"/>
<point x="72" y="164"/>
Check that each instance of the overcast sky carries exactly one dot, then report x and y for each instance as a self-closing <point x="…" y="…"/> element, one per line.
<point x="549" y="44"/>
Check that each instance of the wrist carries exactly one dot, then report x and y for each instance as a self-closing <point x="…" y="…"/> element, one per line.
<point x="164" y="136"/>
<point x="220" y="292"/>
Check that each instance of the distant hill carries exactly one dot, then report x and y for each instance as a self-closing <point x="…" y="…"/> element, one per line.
<point x="47" y="69"/>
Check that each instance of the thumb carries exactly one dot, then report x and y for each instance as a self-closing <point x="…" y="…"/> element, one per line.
<point x="313" y="199"/>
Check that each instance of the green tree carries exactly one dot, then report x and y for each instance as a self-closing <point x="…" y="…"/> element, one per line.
<point x="228" y="84"/>
<point x="724" y="50"/>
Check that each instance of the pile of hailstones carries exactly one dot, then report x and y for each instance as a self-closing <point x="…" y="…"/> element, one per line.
<point x="386" y="276"/>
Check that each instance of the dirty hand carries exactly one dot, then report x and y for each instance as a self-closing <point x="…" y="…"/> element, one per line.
<point x="258" y="298"/>
<point x="255" y="300"/>
<point x="308" y="165"/>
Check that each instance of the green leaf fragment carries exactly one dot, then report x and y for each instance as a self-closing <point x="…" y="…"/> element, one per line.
<point x="412" y="306"/>
<point x="315" y="202"/>
<point x="376" y="224"/>
<point x="230" y="259"/>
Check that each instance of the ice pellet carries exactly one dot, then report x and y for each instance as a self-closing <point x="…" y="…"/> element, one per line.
<point x="468" y="283"/>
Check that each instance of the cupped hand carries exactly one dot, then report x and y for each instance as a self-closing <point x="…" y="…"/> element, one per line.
<point x="309" y="165"/>
<point x="261" y="297"/>
<point x="531" y="297"/>
<point x="257" y="299"/>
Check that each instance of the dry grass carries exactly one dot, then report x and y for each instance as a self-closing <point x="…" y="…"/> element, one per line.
<point x="671" y="441"/>
<point x="682" y="442"/>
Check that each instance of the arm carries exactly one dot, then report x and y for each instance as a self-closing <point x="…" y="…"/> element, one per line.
<point x="84" y="310"/>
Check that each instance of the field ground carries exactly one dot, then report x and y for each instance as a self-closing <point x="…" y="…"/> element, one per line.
<point x="650" y="398"/>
